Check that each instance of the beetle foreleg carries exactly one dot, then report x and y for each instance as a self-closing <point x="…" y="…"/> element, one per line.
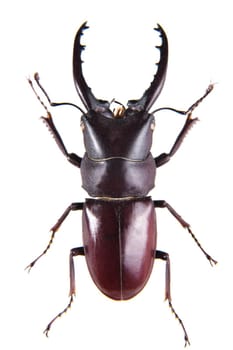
<point x="165" y="256"/>
<point x="73" y="252"/>
<point x="165" y="157"/>
<point x="189" y="111"/>
<point x="196" y="104"/>
<point x="71" y="207"/>
<point x="164" y="204"/>
<point x="72" y="157"/>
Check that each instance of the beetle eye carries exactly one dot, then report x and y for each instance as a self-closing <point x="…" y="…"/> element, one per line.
<point x="152" y="126"/>
<point x="82" y="126"/>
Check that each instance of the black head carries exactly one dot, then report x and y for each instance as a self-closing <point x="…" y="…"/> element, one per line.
<point x="125" y="132"/>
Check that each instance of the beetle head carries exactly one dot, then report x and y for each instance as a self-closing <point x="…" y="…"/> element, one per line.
<point x="134" y="107"/>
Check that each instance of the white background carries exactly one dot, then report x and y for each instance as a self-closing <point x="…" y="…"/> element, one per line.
<point x="37" y="183"/>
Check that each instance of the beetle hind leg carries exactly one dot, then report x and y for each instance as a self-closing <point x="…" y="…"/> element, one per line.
<point x="73" y="252"/>
<point x="165" y="256"/>
<point x="47" y="329"/>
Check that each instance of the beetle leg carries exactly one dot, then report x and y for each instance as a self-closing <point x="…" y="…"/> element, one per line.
<point x="73" y="252"/>
<point x="165" y="256"/>
<point x="164" y="204"/>
<point x="165" y="157"/>
<point x="72" y="157"/>
<point x="53" y="230"/>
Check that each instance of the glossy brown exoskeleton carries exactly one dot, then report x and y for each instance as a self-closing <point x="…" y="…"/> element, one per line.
<point x="118" y="170"/>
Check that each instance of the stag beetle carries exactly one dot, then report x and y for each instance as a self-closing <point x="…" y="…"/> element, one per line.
<point x="118" y="170"/>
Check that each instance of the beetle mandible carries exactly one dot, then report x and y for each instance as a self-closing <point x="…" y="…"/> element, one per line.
<point x="118" y="170"/>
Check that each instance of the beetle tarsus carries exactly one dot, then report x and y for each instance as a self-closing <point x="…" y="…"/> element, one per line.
<point x="186" y="338"/>
<point x="196" y="104"/>
<point x="73" y="252"/>
<point x="211" y="260"/>
<point x="43" y="253"/>
<point x="38" y="97"/>
<point x="47" y="329"/>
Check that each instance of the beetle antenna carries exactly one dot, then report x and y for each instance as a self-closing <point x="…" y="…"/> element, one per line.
<point x="52" y="104"/>
<point x="189" y="111"/>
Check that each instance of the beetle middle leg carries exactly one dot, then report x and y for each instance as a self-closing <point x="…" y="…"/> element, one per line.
<point x="54" y="229"/>
<point x="164" y="204"/>
<point x="73" y="252"/>
<point x="164" y="256"/>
